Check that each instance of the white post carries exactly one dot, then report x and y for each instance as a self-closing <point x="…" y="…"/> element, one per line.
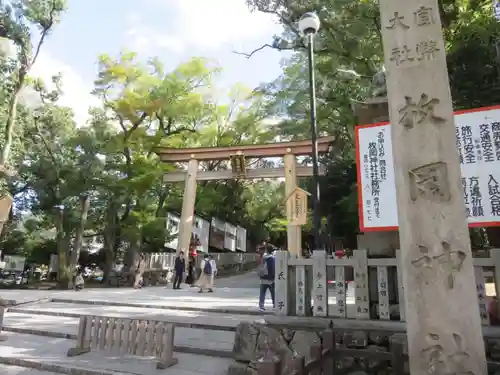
<point x="361" y="284"/>
<point x="339" y="291"/>
<point x="300" y="287"/>
<point x="383" y="293"/>
<point x="281" y="282"/>
<point x="495" y="257"/>
<point x="320" y="296"/>
<point x="401" y="287"/>
<point x="443" y="324"/>
<point x="2" y="314"/>
<point x="481" y="295"/>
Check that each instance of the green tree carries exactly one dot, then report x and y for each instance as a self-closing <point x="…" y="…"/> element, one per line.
<point x="349" y="40"/>
<point x="17" y="20"/>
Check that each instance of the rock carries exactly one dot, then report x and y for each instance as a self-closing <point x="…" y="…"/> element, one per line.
<point x="345" y="363"/>
<point x="302" y="343"/>
<point x="371" y="364"/>
<point x="287" y="334"/>
<point x="270" y="340"/>
<point x="399" y="339"/>
<point x="239" y="368"/>
<point x="245" y="342"/>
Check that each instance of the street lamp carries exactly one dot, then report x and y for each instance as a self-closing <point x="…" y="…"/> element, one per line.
<point x="309" y="25"/>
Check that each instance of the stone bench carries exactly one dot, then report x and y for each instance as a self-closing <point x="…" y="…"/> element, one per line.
<point x="138" y="337"/>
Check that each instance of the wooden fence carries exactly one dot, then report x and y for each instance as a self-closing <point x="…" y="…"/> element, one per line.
<point x="321" y="280"/>
<point x="122" y="336"/>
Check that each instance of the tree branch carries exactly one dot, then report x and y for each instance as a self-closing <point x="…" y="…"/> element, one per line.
<point x="45" y="32"/>
<point x="249" y="55"/>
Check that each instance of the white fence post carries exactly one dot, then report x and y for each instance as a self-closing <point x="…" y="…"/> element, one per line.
<point x="481" y="295"/>
<point x="300" y="285"/>
<point x="339" y="309"/>
<point x="2" y="314"/>
<point x="281" y="282"/>
<point x="401" y="289"/>
<point x="383" y="293"/>
<point x="361" y="283"/>
<point x="320" y="296"/>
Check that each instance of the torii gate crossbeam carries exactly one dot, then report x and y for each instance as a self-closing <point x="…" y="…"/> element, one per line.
<point x="288" y="150"/>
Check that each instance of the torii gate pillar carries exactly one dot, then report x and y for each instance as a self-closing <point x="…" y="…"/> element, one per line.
<point x="188" y="201"/>
<point x="294" y="232"/>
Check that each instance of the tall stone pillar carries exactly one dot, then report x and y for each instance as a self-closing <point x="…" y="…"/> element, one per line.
<point x="442" y="313"/>
<point x="187" y="213"/>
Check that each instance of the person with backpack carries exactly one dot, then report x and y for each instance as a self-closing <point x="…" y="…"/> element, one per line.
<point x="206" y="279"/>
<point x="266" y="274"/>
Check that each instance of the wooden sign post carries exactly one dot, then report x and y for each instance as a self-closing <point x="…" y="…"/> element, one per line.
<point x="296" y="204"/>
<point x="443" y="321"/>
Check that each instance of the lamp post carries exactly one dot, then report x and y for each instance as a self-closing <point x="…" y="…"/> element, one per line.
<point x="309" y="25"/>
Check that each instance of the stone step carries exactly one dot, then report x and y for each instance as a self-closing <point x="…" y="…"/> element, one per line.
<point x="187" y="340"/>
<point x="244" y="308"/>
<point x="49" y="354"/>
<point x="186" y="319"/>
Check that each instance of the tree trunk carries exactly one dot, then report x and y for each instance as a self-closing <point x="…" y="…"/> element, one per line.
<point x="9" y="126"/>
<point x="109" y="240"/>
<point x="132" y="254"/>
<point x="77" y="244"/>
<point x="62" y="272"/>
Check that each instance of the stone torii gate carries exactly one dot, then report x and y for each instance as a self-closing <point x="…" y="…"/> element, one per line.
<point x="238" y="154"/>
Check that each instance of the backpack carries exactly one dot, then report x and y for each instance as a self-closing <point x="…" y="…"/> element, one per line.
<point x="262" y="271"/>
<point x="207" y="268"/>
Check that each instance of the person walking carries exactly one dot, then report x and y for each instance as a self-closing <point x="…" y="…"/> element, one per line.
<point x="179" y="267"/>
<point x="191" y="270"/>
<point x="79" y="281"/>
<point x="266" y="273"/>
<point x="139" y="272"/>
<point x="207" y="276"/>
<point x="214" y="268"/>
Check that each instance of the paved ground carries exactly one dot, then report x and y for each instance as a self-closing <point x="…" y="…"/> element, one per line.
<point x="41" y="331"/>
<point x="16" y="370"/>
<point x="29" y="350"/>
<point x="43" y="325"/>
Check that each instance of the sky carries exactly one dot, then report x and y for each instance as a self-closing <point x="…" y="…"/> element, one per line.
<point x="173" y="30"/>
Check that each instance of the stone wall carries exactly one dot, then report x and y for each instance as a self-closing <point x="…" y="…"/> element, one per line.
<point x="257" y="340"/>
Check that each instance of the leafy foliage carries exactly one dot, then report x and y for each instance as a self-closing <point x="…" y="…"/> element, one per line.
<point x="348" y="53"/>
<point x="98" y="186"/>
